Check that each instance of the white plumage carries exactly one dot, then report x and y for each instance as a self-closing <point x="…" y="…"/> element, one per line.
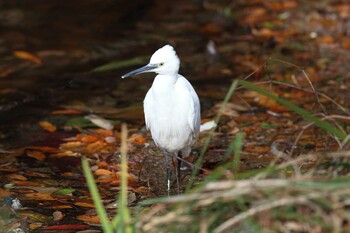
<point x="171" y="106"/>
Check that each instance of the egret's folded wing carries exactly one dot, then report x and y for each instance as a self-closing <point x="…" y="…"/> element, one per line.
<point x="147" y="109"/>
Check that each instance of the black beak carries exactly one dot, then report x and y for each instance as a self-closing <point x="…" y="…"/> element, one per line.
<point x="146" y="68"/>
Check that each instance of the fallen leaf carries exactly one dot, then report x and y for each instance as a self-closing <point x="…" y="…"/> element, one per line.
<point x="16" y="176"/>
<point x="207" y="126"/>
<point x="47" y="126"/>
<point x="100" y="122"/>
<point x="86" y="138"/>
<point x="138" y="139"/>
<point x="88" y="218"/>
<point x="94" y="147"/>
<point x="104" y="132"/>
<point x="66" y="112"/>
<point x="5" y="193"/>
<point x="66" y="227"/>
<point x="63" y="154"/>
<point x="102" y="172"/>
<point x="36" y="154"/>
<point x="43" y="148"/>
<point x="39" y="196"/>
<point x="27" y="56"/>
<point x="71" y="145"/>
<point x="84" y="204"/>
<point x="64" y="191"/>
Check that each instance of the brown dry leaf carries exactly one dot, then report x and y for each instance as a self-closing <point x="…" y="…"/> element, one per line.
<point x="325" y="40"/>
<point x="36" y="225"/>
<point x="26" y="183"/>
<point x="63" y="154"/>
<point x="211" y="29"/>
<point x="36" y="154"/>
<point x="71" y="145"/>
<point x="43" y="149"/>
<point x="104" y="132"/>
<point x="141" y="189"/>
<point x="138" y="139"/>
<point x="4" y="193"/>
<point x="344" y="10"/>
<point x="257" y="149"/>
<point x="282" y="5"/>
<point x="4" y="72"/>
<point x="95" y="147"/>
<point x="103" y="172"/>
<point x="47" y="126"/>
<point x="39" y="196"/>
<point x="60" y="207"/>
<point x="345" y="42"/>
<point x="105" y="180"/>
<point x="88" y="218"/>
<point x="66" y="112"/>
<point x="254" y="16"/>
<point x="130" y="176"/>
<point x="16" y="176"/>
<point x="86" y="138"/>
<point x="27" y="56"/>
<point x="84" y="204"/>
<point x="264" y="32"/>
<point x="102" y="164"/>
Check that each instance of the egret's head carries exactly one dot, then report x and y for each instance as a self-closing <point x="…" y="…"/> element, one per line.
<point x="163" y="61"/>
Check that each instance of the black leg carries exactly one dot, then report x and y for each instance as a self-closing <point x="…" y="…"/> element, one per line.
<point x="179" y="166"/>
<point x="166" y="155"/>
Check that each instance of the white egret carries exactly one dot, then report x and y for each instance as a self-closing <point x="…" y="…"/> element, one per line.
<point x="171" y="107"/>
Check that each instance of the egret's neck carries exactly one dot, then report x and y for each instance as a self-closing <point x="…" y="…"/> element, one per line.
<point x="164" y="83"/>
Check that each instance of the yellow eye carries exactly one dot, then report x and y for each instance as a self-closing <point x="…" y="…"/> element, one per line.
<point x="161" y="64"/>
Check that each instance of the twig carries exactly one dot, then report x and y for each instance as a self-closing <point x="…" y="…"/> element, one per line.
<point x="270" y="205"/>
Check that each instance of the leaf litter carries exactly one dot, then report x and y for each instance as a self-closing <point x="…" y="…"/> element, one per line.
<point x="287" y="45"/>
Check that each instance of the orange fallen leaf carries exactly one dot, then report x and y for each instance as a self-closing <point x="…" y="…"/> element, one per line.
<point x="102" y="164"/>
<point x="35" y="225"/>
<point x="48" y="126"/>
<point x="86" y="138"/>
<point x="129" y="176"/>
<point x="66" y="112"/>
<point x="105" y="132"/>
<point x="258" y="149"/>
<point x="142" y="189"/>
<point x="94" y="147"/>
<point x="62" y="207"/>
<point x="71" y="145"/>
<point x="63" y="154"/>
<point x="5" y="193"/>
<point x="105" y="180"/>
<point x="16" y="176"/>
<point x="42" y="148"/>
<point x="84" y="204"/>
<point x="26" y="183"/>
<point x="103" y="172"/>
<point x="140" y="140"/>
<point x="325" y="40"/>
<point x="39" y="196"/>
<point x="88" y="218"/>
<point x="4" y="72"/>
<point x="27" y="56"/>
<point x="36" y="154"/>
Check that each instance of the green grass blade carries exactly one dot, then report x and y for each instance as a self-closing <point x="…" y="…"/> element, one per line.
<point x="105" y="223"/>
<point x="121" y="222"/>
<point x="121" y="64"/>
<point x="210" y="136"/>
<point x="235" y="147"/>
<point x="319" y="122"/>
